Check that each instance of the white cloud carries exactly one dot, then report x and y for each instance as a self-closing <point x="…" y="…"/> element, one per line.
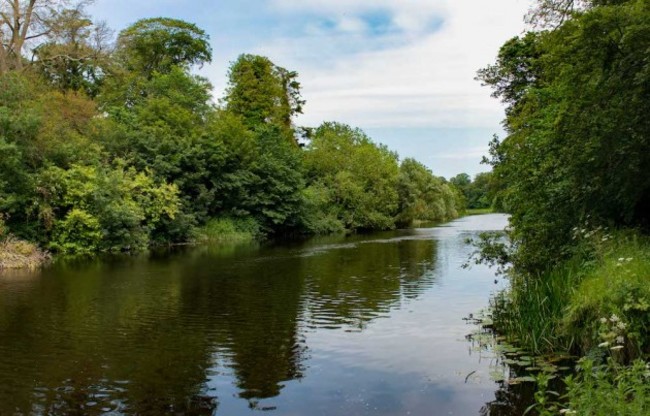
<point x="351" y="25"/>
<point x="410" y="78"/>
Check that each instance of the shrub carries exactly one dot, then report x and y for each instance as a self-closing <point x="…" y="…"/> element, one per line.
<point x="79" y="232"/>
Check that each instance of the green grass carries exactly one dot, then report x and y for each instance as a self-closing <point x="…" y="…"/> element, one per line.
<point x="479" y="211"/>
<point x="229" y="230"/>
<point x="529" y="312"/>
<point x="619" y="285"/>
<point x="596" y="305"/>
<point x="563" y="309"/>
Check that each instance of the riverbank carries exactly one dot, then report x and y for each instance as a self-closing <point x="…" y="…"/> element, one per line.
<point x="480" y="211"/>
<point x="595" y="306"/>
<point x="20" y="254"/>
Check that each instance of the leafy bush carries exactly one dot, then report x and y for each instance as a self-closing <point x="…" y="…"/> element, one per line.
<point x="79" y="232"/>
<point x="222" y="230"/>
<point x="86" y="208"/>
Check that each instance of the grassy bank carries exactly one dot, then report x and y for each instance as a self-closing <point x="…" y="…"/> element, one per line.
<point x="19" y="254"/>
<point x="564" y="309"/>
<point x="479" y="211"/>
<point x="229" y="230"/>
<point x="595" y="306"/>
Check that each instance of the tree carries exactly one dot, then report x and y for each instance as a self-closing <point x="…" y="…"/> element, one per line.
<point x="577" y="145"/>
<point x="263" y="93"/>
<point x="76" y="52"/>
<point x="422" y="196"/>
<point x="159" y="44"/>
<point x="516" y="70"/>
<point x="354" y="178"/>
<point x="22" y="21"/>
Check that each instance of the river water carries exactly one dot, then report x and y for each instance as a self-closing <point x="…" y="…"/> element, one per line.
<point x="357" y="325"/>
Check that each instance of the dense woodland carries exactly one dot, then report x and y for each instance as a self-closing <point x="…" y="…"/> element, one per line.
<point x="115" y="144"/>
<point x="575" y="166"/>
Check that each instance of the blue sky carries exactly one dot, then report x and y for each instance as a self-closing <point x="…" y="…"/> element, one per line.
<point x="402" y="70"/>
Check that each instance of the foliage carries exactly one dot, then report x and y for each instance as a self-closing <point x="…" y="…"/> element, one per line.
<point x="228" y="230"/>
<point x="356" y="177"/>
<point x="269" y="185"/>
<point x="422" y="196"/>
<point x="531" y="310"/>
<point x="577" y="131"/>
<point x="480" y="193"/>
<point x="610" y="389"/>
<point x="263" y="93"/>
<point x="119" y="148"/>
<point x="161" y="44"/>
<point x="600" y="295"/>
<point x="86" y="208"/>
<point x="75" y="54"/>
<point x="619" y="286"/>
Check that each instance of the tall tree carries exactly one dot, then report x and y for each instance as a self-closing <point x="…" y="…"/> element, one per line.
<point x="159" y="44"/>
<point x="22" y="21"/>
<point x="263" y="93"/>
<point x="355" y="178"/>
<point x="76" y="54"/>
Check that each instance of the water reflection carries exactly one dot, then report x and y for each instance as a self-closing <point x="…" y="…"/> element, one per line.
<point x="334" y="325"/>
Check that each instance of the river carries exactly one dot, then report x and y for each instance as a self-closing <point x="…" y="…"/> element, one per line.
<point x="358" y="325"/>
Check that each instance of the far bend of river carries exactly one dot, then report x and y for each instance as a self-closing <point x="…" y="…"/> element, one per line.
<point x="357" y="325"/>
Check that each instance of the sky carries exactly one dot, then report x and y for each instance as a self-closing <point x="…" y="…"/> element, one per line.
<point x="401" y="70"/>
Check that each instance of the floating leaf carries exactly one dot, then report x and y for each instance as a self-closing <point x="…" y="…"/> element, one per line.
<point x="524" y="379"/>
<point x="497" y="376"/>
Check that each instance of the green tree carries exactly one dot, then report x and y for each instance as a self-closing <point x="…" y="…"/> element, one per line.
<point x="87" y="208"/>
<point x="160" y="44"/>
<point x="577" y="145"/>
<point x="75" y="54"/>
<point x="422" y="196"/>
<point x="263" y="93"/>
<point x="355" y="179"/>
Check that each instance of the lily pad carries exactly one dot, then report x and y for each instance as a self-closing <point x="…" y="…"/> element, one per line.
<point x="524" y="379"/>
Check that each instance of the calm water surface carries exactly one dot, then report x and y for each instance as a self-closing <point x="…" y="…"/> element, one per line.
<point x="361" y="325"/>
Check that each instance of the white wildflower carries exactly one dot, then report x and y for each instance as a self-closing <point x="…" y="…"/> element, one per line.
<point x="616" y="348"/>
<point x="629" y="259"/>
<point x="603" y="320"/>
<point x="621" y="325"/>
<point x="614" y="318"/>
<point x="620" y="339"/>
<point x="603" y="344"/>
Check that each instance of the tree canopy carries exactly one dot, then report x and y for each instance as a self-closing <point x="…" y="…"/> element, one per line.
<point x="578" y="131"/>
<point x="159" y="44"/>
<point x="120" y="148"/>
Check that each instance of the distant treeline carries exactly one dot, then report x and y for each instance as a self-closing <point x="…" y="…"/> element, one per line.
<point x="114" y="145"/>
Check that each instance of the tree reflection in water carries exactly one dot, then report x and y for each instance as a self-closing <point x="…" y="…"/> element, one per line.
<point x="142" y="335"/>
